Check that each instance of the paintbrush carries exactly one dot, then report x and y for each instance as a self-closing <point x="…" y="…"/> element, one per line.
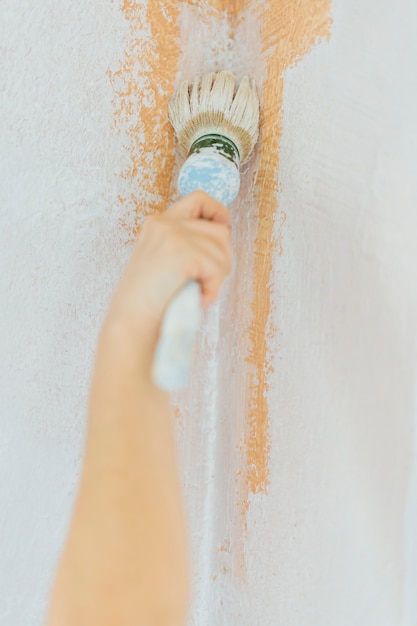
<point x="216" y="122"/>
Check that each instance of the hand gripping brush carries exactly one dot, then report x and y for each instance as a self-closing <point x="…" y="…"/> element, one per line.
<point x="216" y="123"/>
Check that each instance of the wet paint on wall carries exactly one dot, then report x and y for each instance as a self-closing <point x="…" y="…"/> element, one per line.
<point x="273" y="36"/>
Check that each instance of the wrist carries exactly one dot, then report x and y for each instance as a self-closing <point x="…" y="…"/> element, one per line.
<point x="123" y="373"/>
<point x="130" y="339"/>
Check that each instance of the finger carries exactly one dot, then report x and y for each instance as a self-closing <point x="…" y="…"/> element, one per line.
<point x="214" y="240"/>
<point x="179" y="235"/>
<point x="206" y="261"/>
<point x="209" y="252"/>
<point x="199" y="205"/>
<point x="219" y="232"/>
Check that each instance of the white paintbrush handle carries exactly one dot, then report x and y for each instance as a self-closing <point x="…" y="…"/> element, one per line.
<point x="220" y="178"/>
<point x="177" y="338"/>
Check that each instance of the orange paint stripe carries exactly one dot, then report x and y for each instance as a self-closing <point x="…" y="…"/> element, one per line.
<point x="143" y="85"/>
<point x="289" y="29"/>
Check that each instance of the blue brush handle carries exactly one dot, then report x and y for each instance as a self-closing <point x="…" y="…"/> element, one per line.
<point x="219" y="177"/>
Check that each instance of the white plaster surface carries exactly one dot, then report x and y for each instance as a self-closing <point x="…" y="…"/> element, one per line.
<point x="345" y="354"/>
<point x="60" y="255"/>
<point x="333" y="542"/>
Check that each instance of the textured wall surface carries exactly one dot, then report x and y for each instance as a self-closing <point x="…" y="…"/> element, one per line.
<point x="297" y="436"/>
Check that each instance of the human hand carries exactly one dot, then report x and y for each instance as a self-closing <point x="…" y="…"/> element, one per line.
<point x="190" y="241"/>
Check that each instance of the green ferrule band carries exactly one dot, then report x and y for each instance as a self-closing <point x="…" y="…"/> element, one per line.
<point x="223" y="145"/>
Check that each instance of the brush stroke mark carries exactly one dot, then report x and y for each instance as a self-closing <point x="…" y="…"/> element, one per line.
<point x="289" y="30"/>
<point x="142" y="86"/>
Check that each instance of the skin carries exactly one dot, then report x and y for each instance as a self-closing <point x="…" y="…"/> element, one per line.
<point x="126" y="558"/>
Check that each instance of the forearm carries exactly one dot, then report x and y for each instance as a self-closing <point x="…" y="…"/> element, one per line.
<point x="126" y="557"/>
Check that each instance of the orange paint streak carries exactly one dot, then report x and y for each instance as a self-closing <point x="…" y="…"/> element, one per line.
<point x="143" y="85"/>
<point x="289" y="29"/>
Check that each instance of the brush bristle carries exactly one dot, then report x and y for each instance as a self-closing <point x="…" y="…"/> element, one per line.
<point x="215" y="104"/>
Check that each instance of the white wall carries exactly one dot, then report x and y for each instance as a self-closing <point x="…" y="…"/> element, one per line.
<point x="345" y="364"/>
<point x="60" y="254"/>
<point x="333" y="540"/>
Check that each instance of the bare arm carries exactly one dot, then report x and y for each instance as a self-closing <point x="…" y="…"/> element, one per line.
<point x="126" y="559"/>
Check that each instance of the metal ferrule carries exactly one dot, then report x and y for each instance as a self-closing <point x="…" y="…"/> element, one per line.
<point x="221" y="144"/>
